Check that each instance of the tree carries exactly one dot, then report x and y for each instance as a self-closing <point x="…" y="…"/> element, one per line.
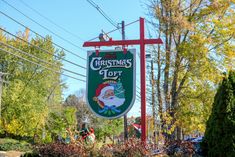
<point x="219" y="136"/>
<point x="78" y="100"/>
<point x="199" y="42"/>
<point x="59" y="122"/>
<point x="103" y="128"/>
<point x="194" y="109"/>
<point x="32" y="90"/>
<point x="108" y="128"/>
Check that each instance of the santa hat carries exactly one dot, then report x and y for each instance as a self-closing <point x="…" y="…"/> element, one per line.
<point x="102" y="88"/>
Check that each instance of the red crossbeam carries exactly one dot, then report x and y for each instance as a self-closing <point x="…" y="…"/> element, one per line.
<point x="121" y="42"/>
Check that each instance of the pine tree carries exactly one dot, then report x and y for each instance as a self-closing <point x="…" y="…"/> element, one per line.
<point x="220" y="131"/>
<point x="119" y="91"/>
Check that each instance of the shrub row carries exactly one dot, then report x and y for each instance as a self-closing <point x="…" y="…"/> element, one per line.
<point x="10" y="144"/>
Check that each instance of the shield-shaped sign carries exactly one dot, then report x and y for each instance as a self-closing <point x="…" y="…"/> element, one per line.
<point x="111" y="86"/>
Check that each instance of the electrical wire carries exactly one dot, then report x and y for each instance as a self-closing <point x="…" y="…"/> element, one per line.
<point x="103" y="13"/>
<point x="146" y="91"/>
<point x="71" y="43"/>
<point x="138" y="97"/>
<point x="52" y="70"/>
<point x="49" y="20"/>
<point x="148" y="30"/>
<point x="115" y="30"/>
<point x="43" y="49"/>
<point x="39" y="59"/>
<point x="19" y="23"/>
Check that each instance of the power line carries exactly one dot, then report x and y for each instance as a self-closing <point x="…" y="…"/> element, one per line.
<point x="43" y="49"/>
<point x="39" y="59"/>
<point x="148" y="92"/>
<point x="138" y="92"/>
<point x="43" y="26"/>
<point x="19" y="23"/>
<point x="103" y="13"/>
<point x="115" y="29"/>
<point x="49" y="20"/>
<point x="137" y="99"/>
<point x="52" y="70"/>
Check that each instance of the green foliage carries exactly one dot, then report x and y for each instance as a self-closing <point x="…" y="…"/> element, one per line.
<point x="108" y="128"/>
<point x="220" y="131"/>
<point x="69" y="114"/>
<point x="58" y="122"/>
<point x="32" y="90"/>
<point x="103" y="128"/>
<point x="11" y="144"/>
<point x="194" y="107"/>
<point x="78" y="101"/>
<point x="30" y="154"/>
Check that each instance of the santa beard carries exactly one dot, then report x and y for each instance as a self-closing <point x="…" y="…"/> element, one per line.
<point x="112" y="101"/>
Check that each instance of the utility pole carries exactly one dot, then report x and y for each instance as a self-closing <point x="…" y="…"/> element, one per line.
<point x="153" y="103"/>
<point x="1" y="83"/>
<point x="125" y="116"/>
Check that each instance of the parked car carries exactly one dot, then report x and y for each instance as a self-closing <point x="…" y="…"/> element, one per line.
<point x="196" y="140"/>
<point x="196" y="143"/>
<point x="190" y="139"/>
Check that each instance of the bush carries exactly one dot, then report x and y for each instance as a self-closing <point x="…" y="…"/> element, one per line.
<point x="61" y="150"/>
<point x="180" y="148"/>
<point x="30" y="154"/>
<point x="219" y="137"/>
<point x="7" y="144"/>
<point x="132" y="147"/>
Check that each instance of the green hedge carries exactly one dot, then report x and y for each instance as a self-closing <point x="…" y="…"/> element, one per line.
<point x="7" y="144"/>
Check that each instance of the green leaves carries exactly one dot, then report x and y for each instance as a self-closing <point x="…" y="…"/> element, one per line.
<point x="32" y="90"/>
<point x="108" y="128"/>
<point x="58" y="122"/>
<point x="198" y="47"/>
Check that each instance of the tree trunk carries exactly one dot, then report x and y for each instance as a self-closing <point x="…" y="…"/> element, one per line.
<point x="166" y="72"/>
<point x="168" y="39"/>
<point x="158" y="83"/>
<point x="179" y="133"/>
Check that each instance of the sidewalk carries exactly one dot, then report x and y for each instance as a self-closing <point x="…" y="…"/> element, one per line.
<point x="10" y="154"/>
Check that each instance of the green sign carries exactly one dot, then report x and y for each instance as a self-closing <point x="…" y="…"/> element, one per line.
<point x="110" y="82"/>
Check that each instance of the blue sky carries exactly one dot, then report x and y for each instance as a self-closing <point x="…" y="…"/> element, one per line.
<point x="83" y="20"/>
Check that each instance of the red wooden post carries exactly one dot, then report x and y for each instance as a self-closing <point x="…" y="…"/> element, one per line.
<point x="142" y="81"/>
<point x="142" y="42"/>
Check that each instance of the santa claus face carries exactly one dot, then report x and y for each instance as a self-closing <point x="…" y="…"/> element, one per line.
<point x="108" y="93"/>
<point x="109" y="99"/>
